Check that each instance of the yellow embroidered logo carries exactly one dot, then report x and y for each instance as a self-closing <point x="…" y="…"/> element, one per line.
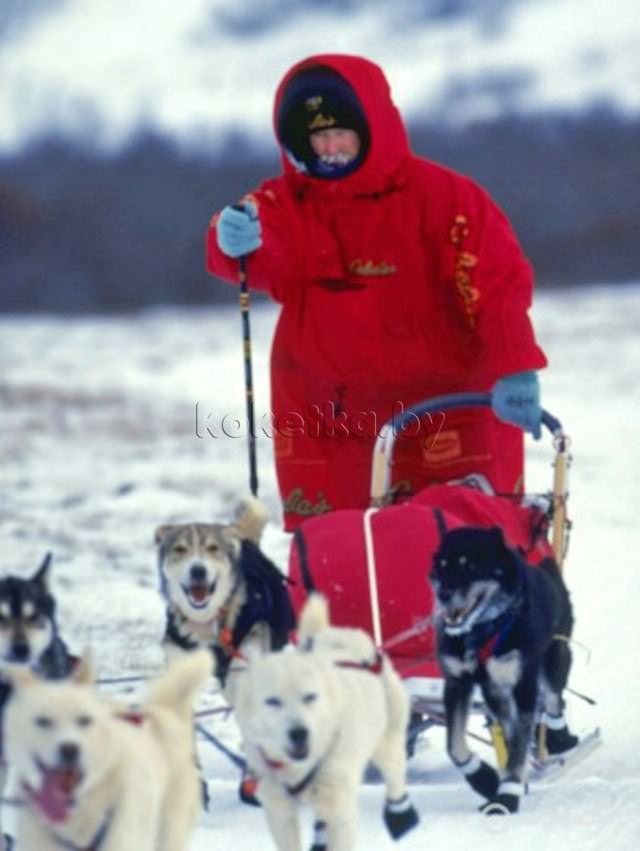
<point x="320" y="122"/>
<point x="465" y="262"/>
<point x="370" y="269"/>
<point x="296" y="503"/>
<point x="313" y="102"/>
<point x="445" y="448"/>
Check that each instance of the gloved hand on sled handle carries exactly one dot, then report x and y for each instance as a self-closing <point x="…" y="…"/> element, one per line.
<point x="515" y="399"/>
<point x="238" y="230"/>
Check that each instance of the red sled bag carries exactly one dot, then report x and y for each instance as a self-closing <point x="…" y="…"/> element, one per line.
<point x="373" y="565"/>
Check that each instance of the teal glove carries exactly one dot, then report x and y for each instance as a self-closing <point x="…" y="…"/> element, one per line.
<point x="238" y="230"/>
<point x="516" y="399"/>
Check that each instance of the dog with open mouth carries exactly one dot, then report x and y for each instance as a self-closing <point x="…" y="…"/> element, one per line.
<point x="311" y="721"/>
<point x="29" y="637"/>
<point x="504" y="625"/>
<point x="221" y="590"/>
<point x="95" y="775"/>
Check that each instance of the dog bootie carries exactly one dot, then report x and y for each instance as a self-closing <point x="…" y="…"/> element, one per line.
<point x="400" y="816"/>
<point x="247" y="789"/>
<point x="8" y="842"/>
<point x="555" y="733"/>
<point x="482" y="778"/>
<point x="506" y="801"/>
<point x="319" y="837"/>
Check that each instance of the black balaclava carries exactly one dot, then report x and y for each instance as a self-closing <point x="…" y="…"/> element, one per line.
<point x="317" y="99"/>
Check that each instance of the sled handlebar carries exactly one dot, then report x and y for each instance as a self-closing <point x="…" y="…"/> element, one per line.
<point x="383" y="456"/>
<point x="383" y="449"/>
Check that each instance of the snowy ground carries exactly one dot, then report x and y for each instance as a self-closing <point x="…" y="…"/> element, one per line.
<point x="100" y="445"/>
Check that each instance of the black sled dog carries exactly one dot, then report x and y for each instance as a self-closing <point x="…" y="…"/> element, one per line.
<point x="29" y="637"/>
<point x="503" y="625"/>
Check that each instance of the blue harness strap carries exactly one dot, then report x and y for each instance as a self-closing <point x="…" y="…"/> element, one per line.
<point x="491" y="647"/>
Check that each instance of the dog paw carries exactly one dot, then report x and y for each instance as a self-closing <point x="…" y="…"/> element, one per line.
<point x="400" y="816"/>
<point x="247" y="790"/>
<point x="506" y="800"/>
<point x="482" y="778"/>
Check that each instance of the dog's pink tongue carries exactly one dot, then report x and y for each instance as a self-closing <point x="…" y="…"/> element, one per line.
<point x="54" y="795"/>
<point x="199" y="592"/>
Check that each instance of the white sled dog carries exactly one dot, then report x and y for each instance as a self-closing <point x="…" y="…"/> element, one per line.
<point x="94" y="774"/>
<point x="312" y="719"/>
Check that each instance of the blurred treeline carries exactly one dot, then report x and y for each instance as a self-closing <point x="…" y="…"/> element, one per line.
<point x="84" y="231"/>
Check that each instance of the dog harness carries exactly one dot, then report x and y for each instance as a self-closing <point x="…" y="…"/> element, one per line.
<point x="374" y="667"/>
<point x="486" y="639"/>
<point x="490" y="647"/>
<point x="298" y="788"/>
<point x="278" y="765"/>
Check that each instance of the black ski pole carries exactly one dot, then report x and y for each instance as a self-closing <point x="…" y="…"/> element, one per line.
<point x="248" y="374"/>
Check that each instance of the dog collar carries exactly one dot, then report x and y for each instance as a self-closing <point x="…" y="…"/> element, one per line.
<point x="298" y="788"/>
<point x="95" y="843"/>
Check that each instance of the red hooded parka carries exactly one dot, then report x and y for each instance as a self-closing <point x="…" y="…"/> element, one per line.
<point x="400" y="281"/>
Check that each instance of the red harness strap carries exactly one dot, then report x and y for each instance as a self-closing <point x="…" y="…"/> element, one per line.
<point x="226" y="642"/>
<point x="374" y="667"/>
<point x="133" y="716"/>
<point x="486" y="651"/>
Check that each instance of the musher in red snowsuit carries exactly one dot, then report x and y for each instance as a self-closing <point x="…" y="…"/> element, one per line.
<point x="398" y="279"/>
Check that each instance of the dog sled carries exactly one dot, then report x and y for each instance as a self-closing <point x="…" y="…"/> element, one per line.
<point x="373" y="564"/>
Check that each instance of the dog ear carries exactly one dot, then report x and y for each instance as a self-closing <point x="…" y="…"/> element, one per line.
<point x="84" y="672"/>
<point x="160" y="534"/>
<point x="42" y="573"/>
<point x="19" y="676"/>
<point x="314" y="617"/>
<point x="497" y="538"/>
